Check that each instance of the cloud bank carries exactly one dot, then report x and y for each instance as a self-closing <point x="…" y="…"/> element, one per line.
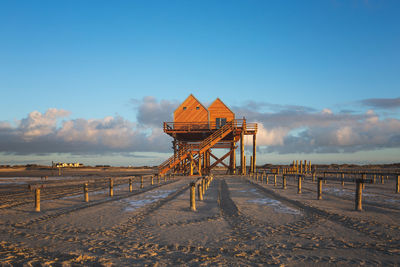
<point x="282" y="129"/>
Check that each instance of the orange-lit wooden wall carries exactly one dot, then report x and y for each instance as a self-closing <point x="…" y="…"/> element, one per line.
<point x="219" y="110"/>
<point x="191" y="110"/>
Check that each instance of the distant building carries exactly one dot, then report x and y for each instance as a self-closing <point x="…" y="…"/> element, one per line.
<point x="63" y="164"/>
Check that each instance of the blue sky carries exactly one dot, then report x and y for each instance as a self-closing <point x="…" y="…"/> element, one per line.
<point x="91" y="60"/>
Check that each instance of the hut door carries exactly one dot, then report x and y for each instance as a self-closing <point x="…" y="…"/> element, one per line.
<point x="220" y="122"/>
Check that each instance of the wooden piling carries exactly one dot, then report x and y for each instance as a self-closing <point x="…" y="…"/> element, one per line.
<point x="284" y="181"/>
<point x="266" y="178"/>
<point x="358" y="196"/>
<point x="141" y="182"/>
<point x="319" y="189"/>
<point x="275" y="180"/>
<point x="192" y="196"/>
<point x="111" y="187"/>
<point x="203" y="185"/>
<point x="200" y="191"/>
<point x="299" y="177"/>
<point x="374" y="179"/>
<point x="130" y="185"/>
<point x="313" y="176"/>
<point x="37" y="199"/>
<point x="86" y="192"/>
<point x="342" y="179"/>
<point x="382" y="180"/>
<point x="152" y="181"/>
<point x="398" y="184"/>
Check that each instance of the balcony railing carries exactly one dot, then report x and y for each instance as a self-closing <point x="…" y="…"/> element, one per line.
<point x="206" y="126"/>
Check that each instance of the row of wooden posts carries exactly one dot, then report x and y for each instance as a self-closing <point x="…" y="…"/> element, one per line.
<point x="202" y="185"/>
<point x="360" y="183"/>
<point x="38" y="187"/>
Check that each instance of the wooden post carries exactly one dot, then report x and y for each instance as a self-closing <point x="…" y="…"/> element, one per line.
<point x="254" y="169"/>
<point x="251" y="165"/>
<point x="158" y="179"/>
<point x="199" y="167"/>
<point x="319" y="189"/>
<point x="242" y="156"/>
<point x="342" y="179"/>
<point x="283" y="181"/>
<point x="141" y="182"/>
<point x="374" y="179"/>
<point x="305" y="166"/>
<point x="364" y="178"/>
<point x="398" y="184"/>
<point x="192" y="196"/>
<point x="266" y="178"/>
<point x="152" y="182"/>
<point x="324" y="177"/>
<point x="244" y="165"/>
<point x="200" y="191"/>
<point x="165" y="178"/>
<point x="59" y="171"/>
<point x="382" y="180"/>
<point x="309" y="165"/>
<point x="111" y="187"/>
<point x="301" y="166"/>
<point x="358" y="197"/>
<point x="275" y="180"/>
<point x="191" y="165"/>
<point x="297" y="166"/>
<point x="130" y="185"/>
<point x="313" y="176"/>
<point x="233" y="157"/>
<point x="86" y="192"/>
<point x="299" y="177"/>
<point x="203" y="185"/>
<point x="37" y="199"/>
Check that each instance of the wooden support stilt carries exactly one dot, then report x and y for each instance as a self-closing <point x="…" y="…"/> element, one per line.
<point x="254" y="168"/>
<point x="275" y="180"/>
<point x="152" y="181"/>
<point x="251" y="165"/>
<point x="192" y="197"/>
<point x="266" y="178"/>
<point x="313" y="176"/>
<point x="242" y="156"/>
<point x="111" y="184"/>
<point x="244" y="165"/>
<point x="299" y="177"/>
<point x="200" y="191"/>
<point x="319" y="189"/>
<point x="191" y="165"/>
<point x="358" y="196"/>
<point x="284" y="181"/>
<point x="86" y="192"/>
<point x="382" y="180"/>
<point x="141" y="182"/>
<point x="37" y="199"/>
<point x="398" y="184"/>
<point x="342" y="179"/>
<point x="130" y="185"/>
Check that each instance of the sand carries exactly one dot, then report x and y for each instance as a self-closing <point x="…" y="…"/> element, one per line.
<point x="241" y="222"/>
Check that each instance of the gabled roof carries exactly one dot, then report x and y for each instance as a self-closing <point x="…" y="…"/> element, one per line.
<point x="219" y="100"/>
<point x="191" y="96"/>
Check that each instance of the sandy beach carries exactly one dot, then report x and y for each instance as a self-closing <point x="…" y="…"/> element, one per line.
<point x="240" y="222"/>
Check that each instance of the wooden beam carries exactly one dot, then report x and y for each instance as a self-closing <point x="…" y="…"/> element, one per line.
<point x="220" y="160"/>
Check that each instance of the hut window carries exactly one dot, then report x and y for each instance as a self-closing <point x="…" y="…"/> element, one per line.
<point x="197" y="108"/>
<point x="184" y="108"/>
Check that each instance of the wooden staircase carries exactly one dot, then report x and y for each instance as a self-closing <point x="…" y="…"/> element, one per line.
<point x="193" y="150"/>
